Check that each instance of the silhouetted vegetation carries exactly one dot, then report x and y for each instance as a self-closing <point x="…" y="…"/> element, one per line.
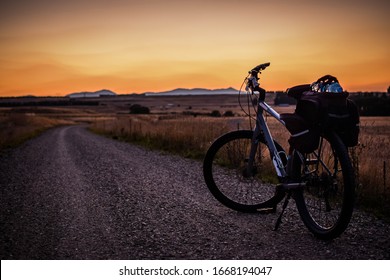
<point x="228" y="114"/>
<point x="215" y="113"/>
<point x="139" y="109"/>
<point x="372" y="104"/>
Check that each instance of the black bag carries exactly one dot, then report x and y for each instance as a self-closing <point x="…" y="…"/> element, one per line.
<point x="304" y="138"/>
<point x="328" y="110"/>
<point x="346" y="122"/>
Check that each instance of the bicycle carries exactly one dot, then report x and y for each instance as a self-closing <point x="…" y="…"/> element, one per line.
<point x="249" y="171"/>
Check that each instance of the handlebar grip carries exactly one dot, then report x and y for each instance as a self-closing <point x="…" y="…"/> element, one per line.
<point x="261" y="67"/>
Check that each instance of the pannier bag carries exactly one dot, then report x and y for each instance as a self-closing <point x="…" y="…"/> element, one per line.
<point x="327" y="107"/>
<point x="304" y="137"/>
<point x="316" y="107"/>
<point x="346" y="123"/>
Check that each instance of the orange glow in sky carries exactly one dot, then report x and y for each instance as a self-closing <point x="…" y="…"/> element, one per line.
<point x="58" y="47"/>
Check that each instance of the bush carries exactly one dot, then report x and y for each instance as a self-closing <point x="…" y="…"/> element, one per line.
<point x="215" y="113"/>
<point x="228" y="114"/>
<point x="139" y="109"/>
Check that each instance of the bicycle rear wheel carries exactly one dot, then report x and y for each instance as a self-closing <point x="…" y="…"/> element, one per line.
<point x="326" y="203"/>
<point x="225" y="173"/>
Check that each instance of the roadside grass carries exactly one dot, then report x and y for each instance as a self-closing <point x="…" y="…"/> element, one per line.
<point x="16" y="127"/>
<point x="191" y="136"/>
<point x="187" y="136"/>
<point x="371" y="162"/>
<point x="22" y="123"/>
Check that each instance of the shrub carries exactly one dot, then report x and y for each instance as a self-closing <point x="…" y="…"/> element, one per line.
<point x="139" y="109"/>
<point x="228" y="114"/>
<point x="215" y="113"/>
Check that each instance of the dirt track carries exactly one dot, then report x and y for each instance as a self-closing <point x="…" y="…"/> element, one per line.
<point x="70" y="194"/>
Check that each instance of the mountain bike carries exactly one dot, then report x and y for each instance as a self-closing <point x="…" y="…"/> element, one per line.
<point x="249" y="171"/>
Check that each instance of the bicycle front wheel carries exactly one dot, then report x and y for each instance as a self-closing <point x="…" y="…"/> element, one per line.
<point x="225" y="170"/>
<point x="326" y="203"/>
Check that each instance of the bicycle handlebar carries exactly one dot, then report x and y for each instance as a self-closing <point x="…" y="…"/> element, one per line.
<point x="260" y="67"/>
<point x="252" y="81"/>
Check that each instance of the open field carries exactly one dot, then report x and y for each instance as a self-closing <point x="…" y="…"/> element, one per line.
<point x="181" y="125"/>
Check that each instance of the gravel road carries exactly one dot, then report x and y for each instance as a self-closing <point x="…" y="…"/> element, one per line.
<point x="70" y="194"/>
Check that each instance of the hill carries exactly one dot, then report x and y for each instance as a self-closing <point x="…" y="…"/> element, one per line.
<point x="87" y="94"/>
<point x="194" y="91"/>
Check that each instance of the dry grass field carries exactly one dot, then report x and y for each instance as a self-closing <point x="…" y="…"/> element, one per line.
<point x="16" y="127"/>
<point x="372" y="162"/>
<point x="181" y="125"/>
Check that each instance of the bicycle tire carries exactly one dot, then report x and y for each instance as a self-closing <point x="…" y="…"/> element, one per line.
<point x="224" y="168"/>
<point x="326" y="203"/>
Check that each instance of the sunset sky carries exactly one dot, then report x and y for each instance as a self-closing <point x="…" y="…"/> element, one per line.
<point x="56" y="47"/>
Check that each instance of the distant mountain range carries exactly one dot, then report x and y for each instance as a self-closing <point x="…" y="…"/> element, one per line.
<point x="175" y="92"/>
<point x="86" y="94"/>
<point x="194" y="91"/>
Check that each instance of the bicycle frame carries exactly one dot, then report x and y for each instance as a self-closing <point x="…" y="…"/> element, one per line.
<point x="262" y="128"/>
